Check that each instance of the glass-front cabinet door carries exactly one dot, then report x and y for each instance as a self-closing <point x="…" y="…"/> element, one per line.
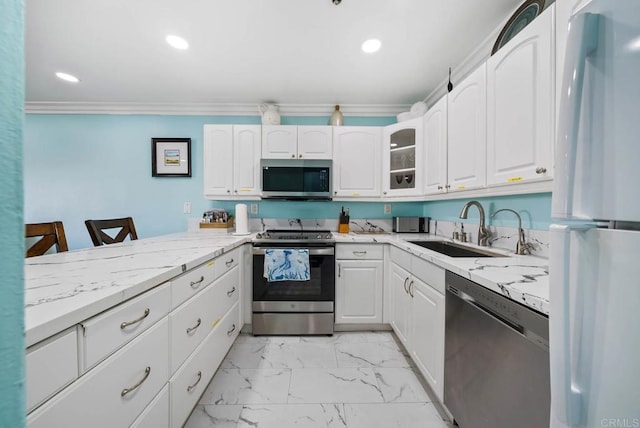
<point x="403" y="148"/>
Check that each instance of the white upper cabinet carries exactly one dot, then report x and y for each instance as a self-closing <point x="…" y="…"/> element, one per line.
<point x="520" y="105"/>
<point x="356" y="161"/>
<point x="315" y="142"/>
<point x="402" y="158"/>
<point x="467" y="132"/>
<point x="231" y="160"/>
<point x="296" y="142"/>
<point x="279" y="142"/>
<point x="435" y="143"/>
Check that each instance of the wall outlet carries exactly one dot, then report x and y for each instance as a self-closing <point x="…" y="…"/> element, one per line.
<point x="387" y="208"/>
<point x="186" y="208"/>
<point x="254" y="209"/>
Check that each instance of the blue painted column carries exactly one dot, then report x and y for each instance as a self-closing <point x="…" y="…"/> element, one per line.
<point x="12" y="391"/>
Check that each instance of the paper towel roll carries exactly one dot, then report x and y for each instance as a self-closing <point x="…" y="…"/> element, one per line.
<point x="242" y="219"/>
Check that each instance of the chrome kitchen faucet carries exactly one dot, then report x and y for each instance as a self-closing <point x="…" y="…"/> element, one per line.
<point x="483" y="233"/>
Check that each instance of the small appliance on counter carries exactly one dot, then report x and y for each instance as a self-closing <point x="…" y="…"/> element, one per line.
<point x="410" y="224"/>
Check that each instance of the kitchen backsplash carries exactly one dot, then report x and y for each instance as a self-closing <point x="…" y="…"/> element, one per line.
<point x="501" y="237"/>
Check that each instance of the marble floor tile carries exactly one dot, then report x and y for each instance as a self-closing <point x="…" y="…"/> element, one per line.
<point x="211" y="415"/>
<point x="248" y="386"/>
<point x="400" y="385"/>
<point x="385" y="354"/>
<point x="249" y="338"/>
<point x="246" y="355"/>
<point x="292" y="415"/>
<point x="351" y="337"/>
<point x="342" y="385"/>
<point x="397" y="415"/>
<point x="299" y="355"/>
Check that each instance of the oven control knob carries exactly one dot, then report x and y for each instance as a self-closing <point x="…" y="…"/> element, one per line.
<point x="327" y="236"/>
<point x="259" y="236"/>
<point x="319" y="237"/>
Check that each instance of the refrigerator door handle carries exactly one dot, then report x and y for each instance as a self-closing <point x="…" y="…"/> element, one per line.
<point x="566" y="396"/>
<point x="582" y="41"/>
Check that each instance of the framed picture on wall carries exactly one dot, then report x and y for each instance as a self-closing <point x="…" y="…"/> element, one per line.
<point x="171" y="157"/>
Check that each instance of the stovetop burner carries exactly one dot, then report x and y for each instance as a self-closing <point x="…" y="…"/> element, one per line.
<point x="279" y="235"/>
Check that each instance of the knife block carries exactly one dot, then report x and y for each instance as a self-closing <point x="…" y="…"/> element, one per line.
<point x="343" y="224"/>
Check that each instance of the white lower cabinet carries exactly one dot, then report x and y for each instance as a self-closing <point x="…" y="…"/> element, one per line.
<point x="427" y="334"/>
<point x="156" y="415"/>
<point x="192" y="322"/>
<point x="417" y="314"/>
<point x="359" y="282"/>
<point x="399" y="296"/>
<point x="190" y="381"/>
<point x="50" y="366"/>
<point x="117" y="390"/>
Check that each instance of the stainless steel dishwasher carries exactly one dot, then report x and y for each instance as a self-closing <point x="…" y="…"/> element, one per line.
<point x="496" y="369"/>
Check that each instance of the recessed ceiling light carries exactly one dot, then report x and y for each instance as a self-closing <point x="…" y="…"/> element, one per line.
<point x="371" y="46"/>
<point x="177" y="42"/>
<point x="67" y="77"/>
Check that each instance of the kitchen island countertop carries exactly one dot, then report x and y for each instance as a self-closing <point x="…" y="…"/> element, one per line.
<point x="67" y="288"/>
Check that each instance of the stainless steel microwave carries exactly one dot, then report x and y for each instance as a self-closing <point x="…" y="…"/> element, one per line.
<point x="296" y="179"/>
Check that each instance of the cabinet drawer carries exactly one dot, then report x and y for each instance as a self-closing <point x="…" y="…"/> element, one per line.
<point x="51" y="365"/>
<point x="105" y="333"/>
<point x="97" y="400"/>
<point x="227" y="261"/>
<point x="192" y="282"/>
<point x="359" y="251"/>
<point x="428" y="273"/>
<point x="401" y="258"/>
<point x="188" y="384"/>
<point x="191" y="322"/>
<point x="156" y="415"/>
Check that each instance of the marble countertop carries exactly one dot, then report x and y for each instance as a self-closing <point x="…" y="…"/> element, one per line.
<point x="64" y="289"/>
<point x="524" y="279"/>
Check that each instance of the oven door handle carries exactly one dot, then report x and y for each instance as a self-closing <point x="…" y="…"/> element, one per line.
<point x="329" y="251"/>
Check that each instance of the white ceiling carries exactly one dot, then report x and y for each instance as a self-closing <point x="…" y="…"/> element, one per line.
<point x="250" y="51"/>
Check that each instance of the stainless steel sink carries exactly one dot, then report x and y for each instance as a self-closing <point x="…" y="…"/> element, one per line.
<point x="453" y="249"/>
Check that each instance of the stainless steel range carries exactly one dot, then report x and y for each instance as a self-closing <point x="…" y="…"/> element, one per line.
<point x="295" y="306"/>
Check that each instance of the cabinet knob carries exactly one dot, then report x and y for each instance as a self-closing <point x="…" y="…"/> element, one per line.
<point x="228" y="191"/>
<point x="235" y="191"/>
<point x="384" y="193"/>
<point x="440" y="187"/>
<point x="448" y="186"/>
<point x="293" y="156"/>
<point x="299" y="156"/>
<point x="541" y="170"/>
<point x="335" y="193"/>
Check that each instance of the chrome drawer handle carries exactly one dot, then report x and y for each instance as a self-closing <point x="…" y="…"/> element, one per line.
<point x="230" y="292"/>
<point x="191" y="387"/>
<point x="125" y="391"/>
<point x="541" y="170"/>
<point x="190" y="329"/>
<point x="196" y="284"/>
<point x="411" y="285"/>
<point x="359" y="252"/>
<point x="233" y="328"/>
<point x="405" y="284"/>
<point x="137" y="320"/>
<point x="229" y="262"/>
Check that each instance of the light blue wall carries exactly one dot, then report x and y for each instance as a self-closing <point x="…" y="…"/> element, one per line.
<point x="12" y="400"/>
<point x="99" y="166"/>
<point x="535" y="210"/>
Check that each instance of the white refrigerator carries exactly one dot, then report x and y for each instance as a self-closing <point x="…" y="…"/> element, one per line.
<point x="594" y="261"/>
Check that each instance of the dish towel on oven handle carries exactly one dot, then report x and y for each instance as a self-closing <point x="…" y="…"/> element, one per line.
<point x="286" y="264"/>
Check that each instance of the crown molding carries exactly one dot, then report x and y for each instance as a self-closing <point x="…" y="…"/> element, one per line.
<point x="209" y="109"/>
